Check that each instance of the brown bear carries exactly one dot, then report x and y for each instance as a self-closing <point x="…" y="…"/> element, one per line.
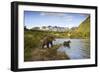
<point x="47" y="41"/>
<point x="67" y="43"/>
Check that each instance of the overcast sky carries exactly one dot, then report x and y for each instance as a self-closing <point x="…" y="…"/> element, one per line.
<point x="38" y="19"/>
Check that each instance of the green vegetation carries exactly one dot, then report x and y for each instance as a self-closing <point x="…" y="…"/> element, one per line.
<point x="32" y="44"/>
<point x="83" y="31"/>
<point x="84" y="28"/>
<point x="47" y="54"/>
<point x="33" y="50"/>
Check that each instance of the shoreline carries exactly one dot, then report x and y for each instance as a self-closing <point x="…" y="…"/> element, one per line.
<point x="47" y="54"/>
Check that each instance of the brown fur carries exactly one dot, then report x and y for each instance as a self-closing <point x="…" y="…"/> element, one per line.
<point x="47" y="40"/>
<point x="67" y="43"/>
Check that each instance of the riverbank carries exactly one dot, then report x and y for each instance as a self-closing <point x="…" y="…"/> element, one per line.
<point x="47" y="54"/>
<point x="32" y="52"/>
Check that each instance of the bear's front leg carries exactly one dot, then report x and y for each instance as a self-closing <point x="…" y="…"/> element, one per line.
<point x="51" y="44"/>
<point x="47" y="45"/>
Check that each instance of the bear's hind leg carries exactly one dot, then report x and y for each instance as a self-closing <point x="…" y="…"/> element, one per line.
<point x="43" y="45"/>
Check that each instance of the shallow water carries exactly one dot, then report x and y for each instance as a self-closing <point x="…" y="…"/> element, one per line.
<point x="79" y="48"/>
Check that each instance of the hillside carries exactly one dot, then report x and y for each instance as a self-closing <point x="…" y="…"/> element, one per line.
<point x="84" y="28"/>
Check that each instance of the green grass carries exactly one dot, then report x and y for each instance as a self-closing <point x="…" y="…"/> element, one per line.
<point x="33" y="50"/>
<point x="38" y="54"/>
<point x="32" y="44"/>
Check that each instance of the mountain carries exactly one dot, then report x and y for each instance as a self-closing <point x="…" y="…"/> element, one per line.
<point x="85" y="25"/>
<point x="84" y="28"/>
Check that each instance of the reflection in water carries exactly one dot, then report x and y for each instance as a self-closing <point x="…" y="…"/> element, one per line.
<point x="79" y="48"/>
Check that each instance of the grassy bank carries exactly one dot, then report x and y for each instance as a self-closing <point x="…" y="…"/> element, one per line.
<point x="33" y="50"/>
<point x="32" y="45"/>
<point x="38" y="54"/>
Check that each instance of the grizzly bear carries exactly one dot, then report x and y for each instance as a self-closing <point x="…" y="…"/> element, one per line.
<point x="67" y="43"/>
<point x="47" y="41"/>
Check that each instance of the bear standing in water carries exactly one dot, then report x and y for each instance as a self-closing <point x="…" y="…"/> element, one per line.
<point x="47" y="41"/>
<point x="67" y="43"/>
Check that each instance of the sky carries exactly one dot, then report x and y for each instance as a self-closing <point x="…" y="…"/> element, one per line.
<point x="39" y="19"/>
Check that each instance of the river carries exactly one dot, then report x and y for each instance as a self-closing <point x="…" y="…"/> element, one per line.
<point x="79" y="48"/>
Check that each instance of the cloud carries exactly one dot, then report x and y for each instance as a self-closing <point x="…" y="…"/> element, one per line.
<point x="68" y="18"/>
<point x="64" y="16"/>
<point x="51" y="14"/>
